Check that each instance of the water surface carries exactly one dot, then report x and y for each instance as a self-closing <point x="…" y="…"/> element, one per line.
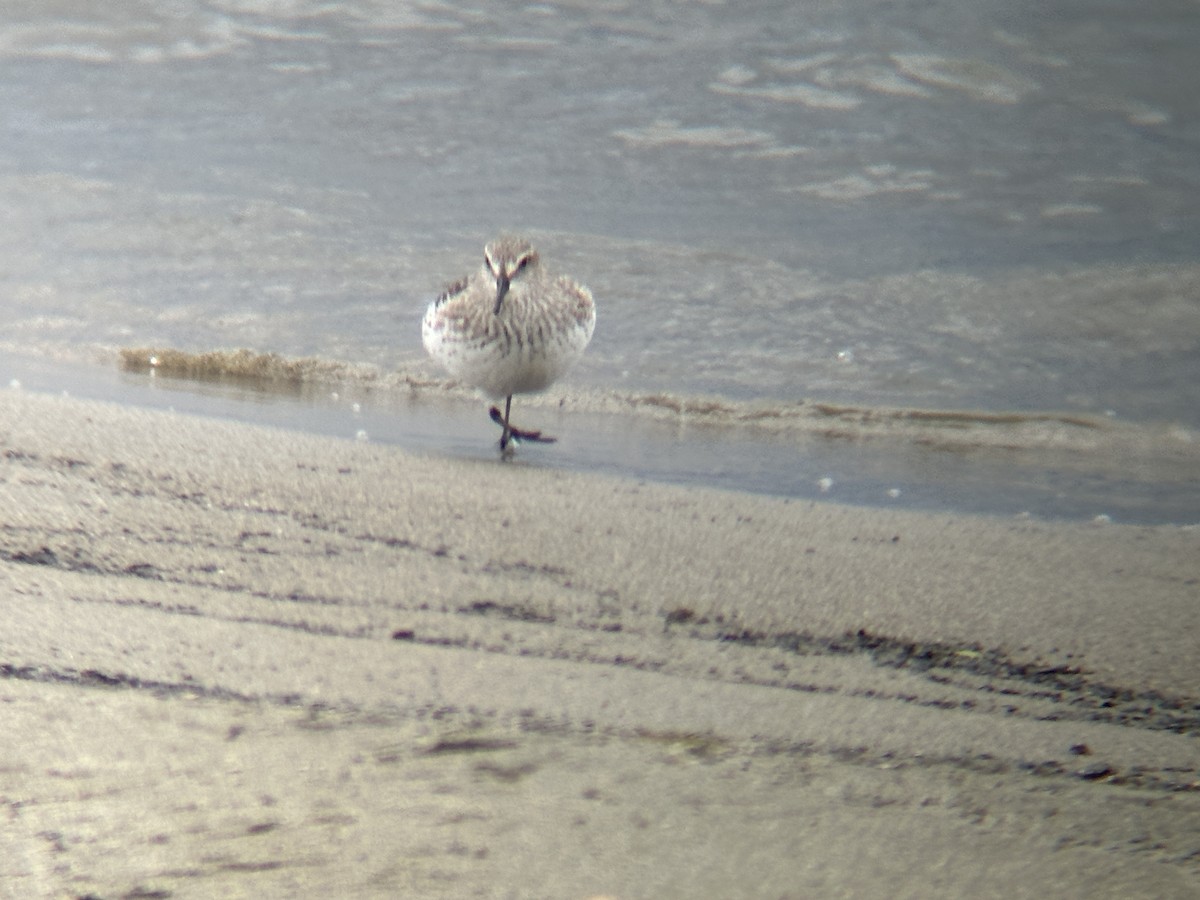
<point x="934" y="206"/>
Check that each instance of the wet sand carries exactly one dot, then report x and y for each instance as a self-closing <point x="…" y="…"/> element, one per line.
<point x="249" y="662"/>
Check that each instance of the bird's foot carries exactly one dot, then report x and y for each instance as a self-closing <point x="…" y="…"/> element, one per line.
<point x="518" y="434"/>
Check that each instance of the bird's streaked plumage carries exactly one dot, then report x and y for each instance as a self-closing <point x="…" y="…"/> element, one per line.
<point x="511" y="328"/>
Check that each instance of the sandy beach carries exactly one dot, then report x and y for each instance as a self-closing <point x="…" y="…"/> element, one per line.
<point x="238" y="661"/>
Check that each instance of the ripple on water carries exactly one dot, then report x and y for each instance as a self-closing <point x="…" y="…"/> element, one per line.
<point x="977" y="78"/>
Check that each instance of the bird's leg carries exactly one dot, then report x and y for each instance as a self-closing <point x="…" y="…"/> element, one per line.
<point x="506" y="436"/>
<point x="513" y="434"/>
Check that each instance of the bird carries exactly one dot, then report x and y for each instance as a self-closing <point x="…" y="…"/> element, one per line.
<point x="511" y="328"/>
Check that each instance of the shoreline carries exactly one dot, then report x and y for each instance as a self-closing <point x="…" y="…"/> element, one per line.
<point x="1045" y="466"/>
<point x="247" y="660"/>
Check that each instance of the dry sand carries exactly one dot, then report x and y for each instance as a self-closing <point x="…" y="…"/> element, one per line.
<point x="243" y="662"/>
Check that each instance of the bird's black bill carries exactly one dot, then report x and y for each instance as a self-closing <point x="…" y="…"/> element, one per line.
<point x="501" y="289"/>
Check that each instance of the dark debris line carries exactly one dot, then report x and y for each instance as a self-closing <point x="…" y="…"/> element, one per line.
<point x="1069" y="685"/>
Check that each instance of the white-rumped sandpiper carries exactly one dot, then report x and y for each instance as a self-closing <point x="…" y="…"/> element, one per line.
<point x="511" y="328"/>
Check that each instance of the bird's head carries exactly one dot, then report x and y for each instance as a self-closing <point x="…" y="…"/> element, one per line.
<point x="507" y="259"/>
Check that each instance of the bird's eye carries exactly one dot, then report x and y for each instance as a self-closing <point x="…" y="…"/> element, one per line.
<point x="522" y="263"/>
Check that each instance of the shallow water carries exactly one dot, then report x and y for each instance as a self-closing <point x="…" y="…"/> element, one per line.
<point x="932" y="206"/>
<point x="1017" y="468"/>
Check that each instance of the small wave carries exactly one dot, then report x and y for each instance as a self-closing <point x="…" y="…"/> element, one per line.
<point x="1066" y="210"/>
<point x="945" y="429"/>
<point x="800" y="92"/>
<point x="976" y="78"/>
<point x="241" y="363"/>
<point x="874" y="181"/>
<point x="667" y="132"/>
<point x="120" y="35"/>
<point x="1165" y="452"/>
<point x="266" y="370"/>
